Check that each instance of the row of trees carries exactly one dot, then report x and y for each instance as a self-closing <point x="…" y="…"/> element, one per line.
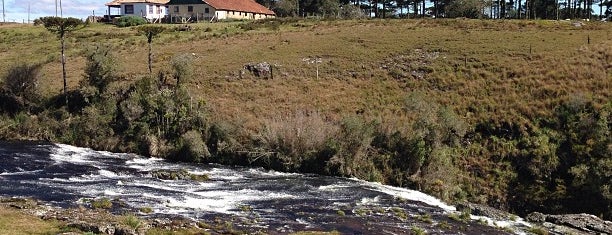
<point x="501" y="9"/>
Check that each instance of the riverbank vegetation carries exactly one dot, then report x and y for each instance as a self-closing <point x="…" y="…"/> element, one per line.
<point x="513" y="114"/>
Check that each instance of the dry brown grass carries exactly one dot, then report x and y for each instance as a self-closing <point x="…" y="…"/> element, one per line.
<point x="16" y="223"/>
<point x="504" y="70"/>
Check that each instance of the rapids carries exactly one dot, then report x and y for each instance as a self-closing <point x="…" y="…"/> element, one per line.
<point x="269" y="201"/>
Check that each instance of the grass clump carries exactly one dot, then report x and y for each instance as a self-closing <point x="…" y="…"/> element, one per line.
<point x="426" y="218"/>
<point x="102" y="203"/>
<point x="340" y="213"/>
<point x="444" y="225"/>
<point x="132" y="221"/>
<point x="538" y="231"/>
<point x="417" y="231"/>
<point x="146" y="210"/>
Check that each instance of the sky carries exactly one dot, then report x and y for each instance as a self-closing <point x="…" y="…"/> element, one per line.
<point x="17" y="10"/>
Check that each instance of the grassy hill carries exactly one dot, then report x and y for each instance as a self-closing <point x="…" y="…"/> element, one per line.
<point x="486" y="111"/>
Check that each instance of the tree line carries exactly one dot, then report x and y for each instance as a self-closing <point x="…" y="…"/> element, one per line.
<point x="495" y="9"/>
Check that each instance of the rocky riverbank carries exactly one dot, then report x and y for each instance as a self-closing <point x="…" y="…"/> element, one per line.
<point x="126" y="221"/>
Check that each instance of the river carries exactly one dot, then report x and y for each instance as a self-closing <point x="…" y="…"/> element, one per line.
<point x="262" y="200"/>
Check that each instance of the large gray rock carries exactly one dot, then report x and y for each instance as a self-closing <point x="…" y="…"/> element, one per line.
<point x="586" y="223"/>
<point x="482" y="210"/>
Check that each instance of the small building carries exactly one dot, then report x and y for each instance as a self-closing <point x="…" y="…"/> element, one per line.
<point x="195" y="10"/>
<point x="152" y="10"/>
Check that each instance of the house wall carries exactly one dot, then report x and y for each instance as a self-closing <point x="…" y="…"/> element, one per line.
<point x="142" y="9"/>
<point x="199" y="10"/>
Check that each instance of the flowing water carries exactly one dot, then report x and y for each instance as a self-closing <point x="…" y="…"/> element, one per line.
<point x="260" y="200"/>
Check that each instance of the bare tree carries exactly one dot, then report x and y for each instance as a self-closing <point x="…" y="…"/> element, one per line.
<point x="150" y="31"/>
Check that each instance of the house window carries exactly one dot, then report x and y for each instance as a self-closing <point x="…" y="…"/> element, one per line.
<point x="206" y="10"/>
<point x="151" y="9"/>
<point x="176" y="9"/>
<point x="189" y="8"/>
<point x="129" y="9"/>
<point x="159" y="10"/>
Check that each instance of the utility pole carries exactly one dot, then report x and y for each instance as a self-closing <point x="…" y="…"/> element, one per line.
<point x="3" y="15"/>
<point x="28" y="12"/>
<point x="55" y="8"/>
<point x="61" y="11"/>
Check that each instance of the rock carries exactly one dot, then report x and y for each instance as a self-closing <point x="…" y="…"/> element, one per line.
<point x="260" y="70"/>
<point x="178" y="175"/>
<point x="584" y="222"/>
<point x="572" y="223"/>
<point x="536" y="217"/>
<point x="482" y="210"/>
<point x="20" y="203"/>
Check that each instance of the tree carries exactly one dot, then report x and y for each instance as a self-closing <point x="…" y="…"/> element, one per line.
<point x="465" y="8"/>
<point x="101" y="67"/>
<point x="61" y="26"/>
<point x="150" y="31"/>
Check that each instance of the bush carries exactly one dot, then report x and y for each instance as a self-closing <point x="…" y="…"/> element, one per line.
<point x="296" y="139"/>
<point x="191" y="148"/>
<point x="101" y="67"/>
<point x="182" y="66"/>
<point x="19" y="90"/>
<point x="128" y="21"/>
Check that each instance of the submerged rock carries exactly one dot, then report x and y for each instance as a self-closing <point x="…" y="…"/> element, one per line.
<point x="178" y="175"/>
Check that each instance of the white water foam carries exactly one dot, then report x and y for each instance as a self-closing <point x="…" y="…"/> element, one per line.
<point x="219" y="174"/>
<point x="20" y="173"/>
<point x="72" y="154"/>
<point x="143" y="163"/>
<point x="406" y="194"/>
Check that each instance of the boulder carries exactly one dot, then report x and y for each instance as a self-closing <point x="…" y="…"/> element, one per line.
<point x="482" y="210"/>
<point x="260" y="70"/>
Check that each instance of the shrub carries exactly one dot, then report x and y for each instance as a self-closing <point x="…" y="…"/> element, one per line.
<point x="296" y="139"/>
<point x="19" y="88"/>
<point x="191" y="148"/>
<point x="128" y="21"/>
<point x="182" y="66"/>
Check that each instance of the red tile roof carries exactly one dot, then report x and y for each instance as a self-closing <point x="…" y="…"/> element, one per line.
<point x="239" y="5"/>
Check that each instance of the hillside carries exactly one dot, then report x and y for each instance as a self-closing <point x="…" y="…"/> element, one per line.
<point x="492" y="112"/>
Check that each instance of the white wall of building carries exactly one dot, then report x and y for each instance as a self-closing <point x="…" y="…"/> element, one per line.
<point x="149" y="11"/>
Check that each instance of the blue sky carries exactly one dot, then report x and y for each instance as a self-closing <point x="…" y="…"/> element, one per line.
<point x="17" y="10"/>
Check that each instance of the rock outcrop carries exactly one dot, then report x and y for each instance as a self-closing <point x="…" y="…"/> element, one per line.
<point x="571" y="223"/>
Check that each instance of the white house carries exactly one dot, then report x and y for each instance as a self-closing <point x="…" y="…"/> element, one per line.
<point x="152" y="10"/>
<point x="193" y="10"/>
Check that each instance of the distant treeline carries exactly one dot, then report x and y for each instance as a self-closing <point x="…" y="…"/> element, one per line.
<point x="495" y="9"/>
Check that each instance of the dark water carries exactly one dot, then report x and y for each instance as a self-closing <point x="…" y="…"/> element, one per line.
<point x="259" y="200"/>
